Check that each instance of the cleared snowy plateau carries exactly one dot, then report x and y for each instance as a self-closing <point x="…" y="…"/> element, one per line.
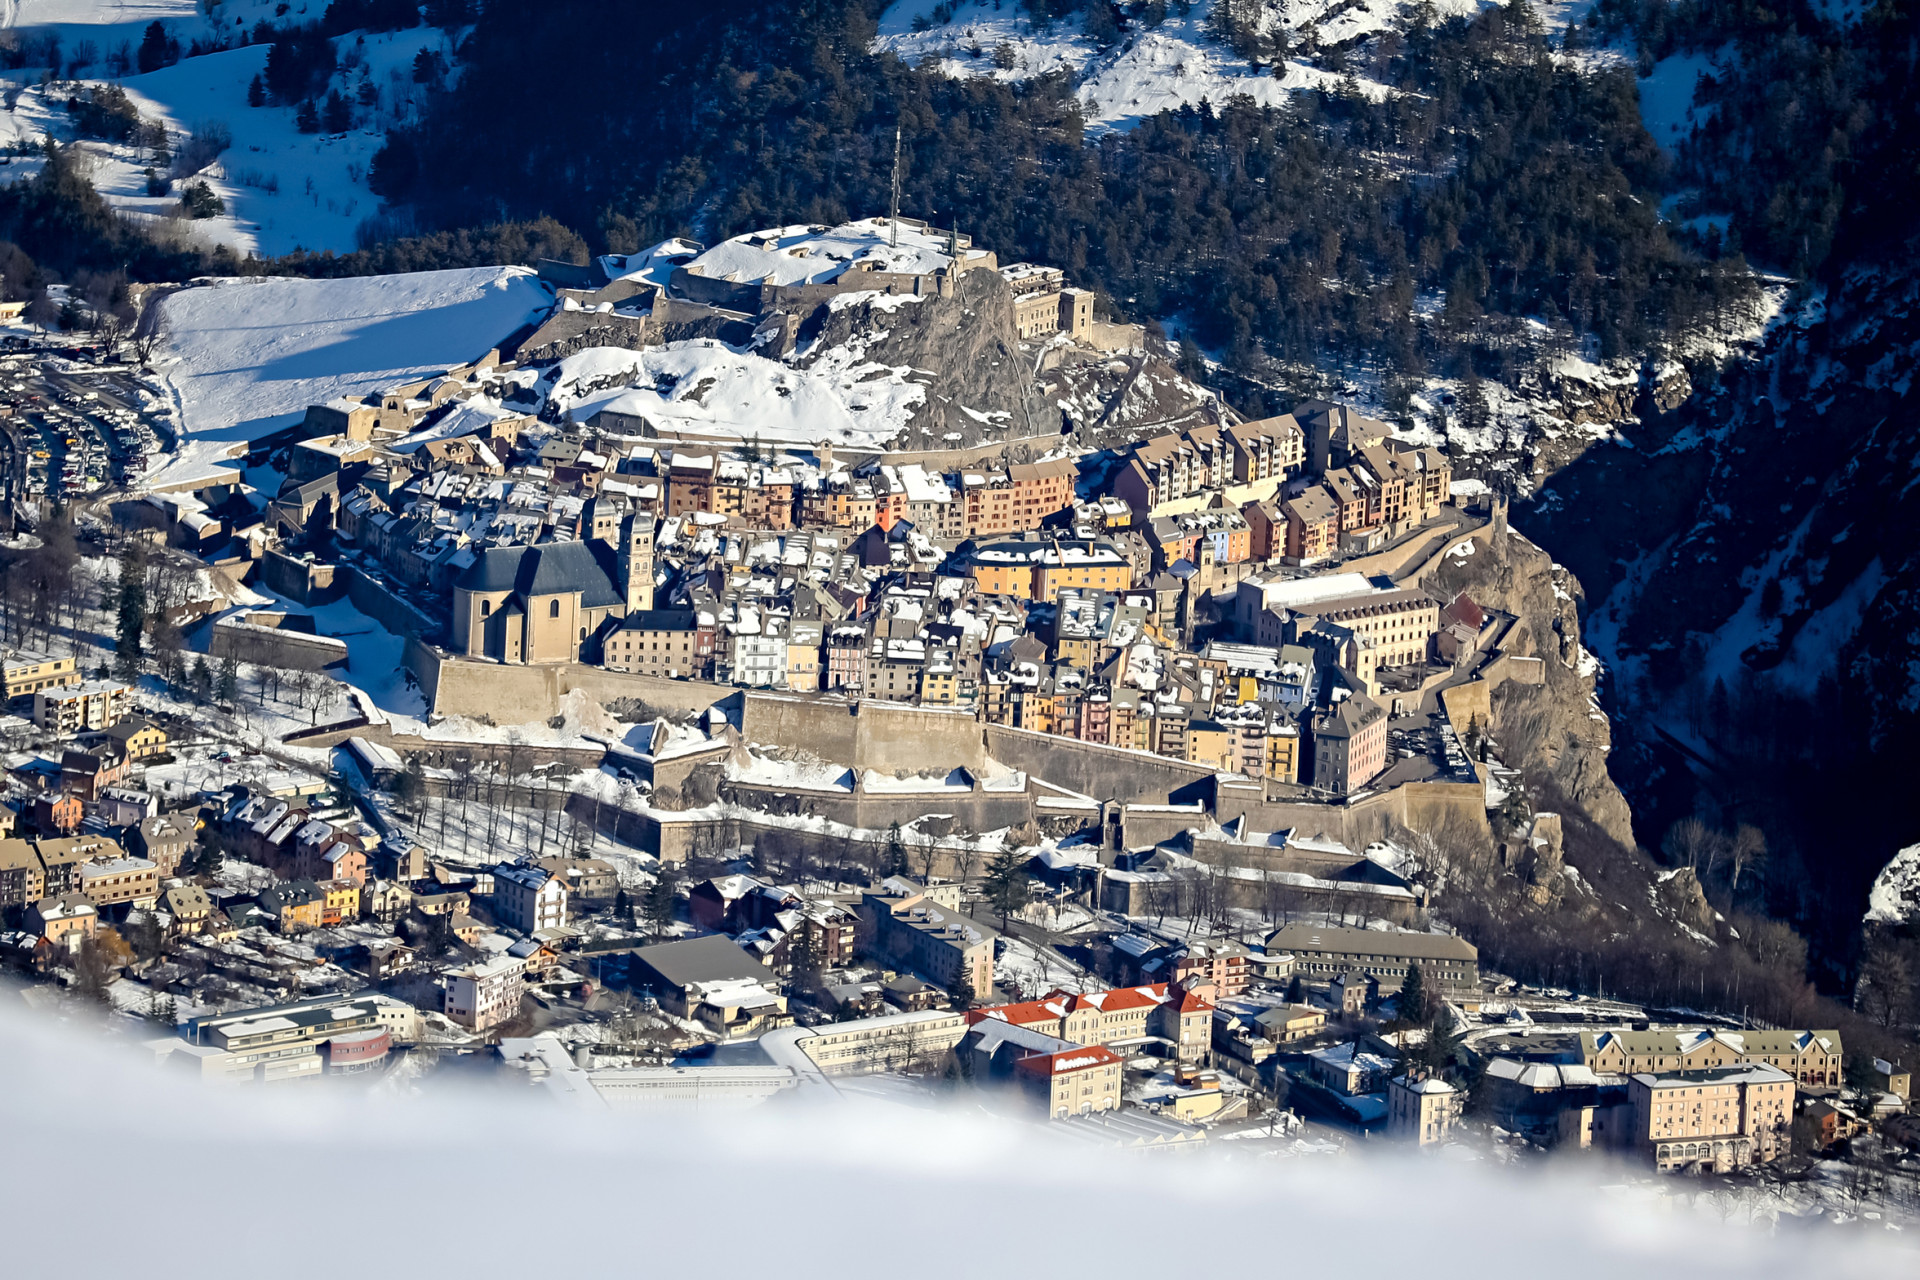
<point x="249" y="355"/>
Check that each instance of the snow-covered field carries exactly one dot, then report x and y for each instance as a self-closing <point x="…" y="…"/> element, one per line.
<point x="704" y="388"/>
<point x="253" y="354"/>
<point x="1895" y="895"/>
<point x="1666" y="96"/>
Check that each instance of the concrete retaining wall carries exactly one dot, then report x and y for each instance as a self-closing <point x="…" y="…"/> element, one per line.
<point x="520" y="695"/>
<point x="675" y="841"/>
<point x="371" y="597"/>
<point x="889" y="737"/>
<point x="939" y="812"/>
<point x="1105" y="773"/>
<point x="273" y="647"/>
<point x="307" y="583"/>
<point x="1414" y="806"/>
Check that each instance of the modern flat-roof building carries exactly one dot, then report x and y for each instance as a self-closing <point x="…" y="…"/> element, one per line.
<point x="68" y="709"/>
<point x="23" y="672"/>
<point x="293" y="1041"/>
<point x="937" y="941"/>
<point x="487" y="993"/>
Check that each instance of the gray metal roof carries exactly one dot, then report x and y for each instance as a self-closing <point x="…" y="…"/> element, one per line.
<point x="713" y="958"/>
<point x="552" y="568"/>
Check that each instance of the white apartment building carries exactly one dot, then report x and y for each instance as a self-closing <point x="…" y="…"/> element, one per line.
<point x="73" y="708"/>
<point x="759" y="660"/>
<point x="486" y="994"/>
<point x="529" y="899"/>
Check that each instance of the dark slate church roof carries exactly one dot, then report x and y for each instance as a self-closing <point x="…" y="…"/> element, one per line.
<point x="552" y="568"/>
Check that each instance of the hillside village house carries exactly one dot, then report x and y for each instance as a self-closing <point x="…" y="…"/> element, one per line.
<point x="164" y="839"/>
<point x="1422" y="1111"/>
<point x="140" y="738"/>
<point x="66" y="920"/>
<point x="529" y="899"/>
<point x="1120" y="1016"/>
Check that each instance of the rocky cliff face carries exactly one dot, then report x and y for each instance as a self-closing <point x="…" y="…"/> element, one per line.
<point x="964" y="348"/>
<point x="1755" y="561"/>
<point x="1556" y="726"/>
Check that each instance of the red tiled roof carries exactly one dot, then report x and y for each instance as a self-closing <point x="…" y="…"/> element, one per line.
<point x="1067" y="1060"/>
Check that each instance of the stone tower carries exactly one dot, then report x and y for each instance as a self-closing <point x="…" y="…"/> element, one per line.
<point x="636" y="561"/>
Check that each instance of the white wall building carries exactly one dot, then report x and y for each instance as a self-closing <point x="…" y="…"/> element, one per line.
<point x="529" y="899"/>
<point x="486" y="994"/>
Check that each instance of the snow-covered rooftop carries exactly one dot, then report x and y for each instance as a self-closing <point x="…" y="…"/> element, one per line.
<point x="803" y="254"/>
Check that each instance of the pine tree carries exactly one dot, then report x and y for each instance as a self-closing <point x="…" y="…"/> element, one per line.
<point x="661" y="900"/>
<point x="229" y="689"/>
<point x="803" y="961"/>
<point x="257" y="92"/>
<point x="1413" y="996"/>
<point x="1006" y="884"/>
<point x="132" y="618"/>
<point x="1436" y="1051"/>
<point x="1475" y="414"/>
<point x="960" y="991"/>
<point x="622" y="905"/>
<point x="202" y="679"/>
<point x="307" y="120"/>
<point x="339" y="113"/>
<point x="1296" y="990"/>
<point x="156" y="50"/>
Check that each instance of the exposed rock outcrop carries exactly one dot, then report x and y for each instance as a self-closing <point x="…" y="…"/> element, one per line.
<point x="1556" y="725"/>
<point x="963" y="347"/>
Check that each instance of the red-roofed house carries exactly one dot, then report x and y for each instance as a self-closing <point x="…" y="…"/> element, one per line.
<point x="1073" y="1082"/>
<point x="1112" y="1017"/>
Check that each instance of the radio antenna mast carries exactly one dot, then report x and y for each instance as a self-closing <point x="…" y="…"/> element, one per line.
<point x="893" y="212"/>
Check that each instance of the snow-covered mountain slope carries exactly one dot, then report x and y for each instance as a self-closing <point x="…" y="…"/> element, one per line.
<point x="289" y="190"/>
<point x="284" y="190"/>
<point x="251" y="355"/>
<point x="1179" y="62"/>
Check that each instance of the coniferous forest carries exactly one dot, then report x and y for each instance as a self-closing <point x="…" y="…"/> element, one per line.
<point x="1495" y="182"/>
<point x="1492" y="175"/>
